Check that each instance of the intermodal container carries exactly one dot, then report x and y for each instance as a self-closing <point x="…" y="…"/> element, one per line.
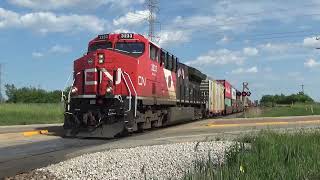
<point x="227" y="88"/>
<point x="228" y="106"/>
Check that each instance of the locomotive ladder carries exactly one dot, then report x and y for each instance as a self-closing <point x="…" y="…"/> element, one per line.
<point x="130" y="95"/>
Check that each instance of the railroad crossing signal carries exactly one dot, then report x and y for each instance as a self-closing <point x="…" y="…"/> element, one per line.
<point x="246" y="93"/>
<point x="246" y="89"/>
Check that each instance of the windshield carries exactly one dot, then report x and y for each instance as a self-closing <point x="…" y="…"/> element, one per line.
<point x="131" y="48"/>
<point x="96" y="46"/>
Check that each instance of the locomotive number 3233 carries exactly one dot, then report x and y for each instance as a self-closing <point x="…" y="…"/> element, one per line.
<point x="126" y="36"/>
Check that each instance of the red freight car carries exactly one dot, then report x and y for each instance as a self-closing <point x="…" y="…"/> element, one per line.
<point x="227" y="96"/>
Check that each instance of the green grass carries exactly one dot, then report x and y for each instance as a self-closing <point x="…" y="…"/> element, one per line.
<point x="22" y="114"/>
<point x="287" y="110"/>
<point x="271" y="156"/>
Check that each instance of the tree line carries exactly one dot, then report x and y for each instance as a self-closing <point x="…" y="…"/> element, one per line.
<point x="31" y="95"/>
<point x="283" y="99"/>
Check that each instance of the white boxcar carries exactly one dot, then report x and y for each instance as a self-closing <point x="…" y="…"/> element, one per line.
<point x="214" y="93"/>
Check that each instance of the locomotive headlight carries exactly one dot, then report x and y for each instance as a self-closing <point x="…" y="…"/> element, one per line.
<point x="109" y="90"/>
<point x="74" y="90"/>
<point x="101" y="58"/>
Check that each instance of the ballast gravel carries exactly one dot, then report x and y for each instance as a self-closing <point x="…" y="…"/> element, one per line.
<point x="170" y="161"/>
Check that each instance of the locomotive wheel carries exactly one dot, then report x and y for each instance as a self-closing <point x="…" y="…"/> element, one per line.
<point x="154" y="124"/>
<point x="140" y="127"/>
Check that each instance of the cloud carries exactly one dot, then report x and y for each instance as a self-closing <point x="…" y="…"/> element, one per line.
<point x="220" y="57"/>
<point x="176" y="37"/>
<point x="249" y="51"/>
<point x="251" y="70"/>
<point x="132" y="18"/>
<point x="225" y="56"/>
<point x="56" y="49"/>
<point x="37" y="54"/>
<point x="311" y="42"/>
<point x="59" y="49"/>
<point x="311" y="63"/>
<point x="121" y="30"/>
<point x="224" y="40"/>
<point x="82" y="4"/>
<point x="45" y="22"/>
<point x="202" y="23"/>
<point x="276" y="47"/>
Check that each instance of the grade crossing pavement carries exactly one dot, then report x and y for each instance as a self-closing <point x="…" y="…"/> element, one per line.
<point x="20" y="153"/>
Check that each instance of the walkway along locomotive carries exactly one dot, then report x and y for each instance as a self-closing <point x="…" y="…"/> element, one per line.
<point x="126" y="83"/>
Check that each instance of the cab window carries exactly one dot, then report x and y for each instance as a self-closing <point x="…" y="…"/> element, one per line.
<point x="170" y="59"/>
<point x="134" y="49"/>
<point x="166" y="63"/>
<point x="174" y="64"/>
<point x="100" y="45"/>
<point x="153" y="53"/>
<point x="162" y="58"/>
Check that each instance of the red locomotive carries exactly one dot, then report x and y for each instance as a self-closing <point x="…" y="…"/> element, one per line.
<point x="126" y="83"/>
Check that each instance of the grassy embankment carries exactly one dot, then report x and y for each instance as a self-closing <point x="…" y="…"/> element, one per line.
<point x="271" y="156"/>
<point x="22" y="114"/>
<point x="286" y="110"/>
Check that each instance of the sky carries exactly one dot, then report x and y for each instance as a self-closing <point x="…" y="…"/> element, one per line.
<point x="271" y="44"/>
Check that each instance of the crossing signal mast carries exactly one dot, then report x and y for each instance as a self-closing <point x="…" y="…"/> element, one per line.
<point x="153" y="7"/>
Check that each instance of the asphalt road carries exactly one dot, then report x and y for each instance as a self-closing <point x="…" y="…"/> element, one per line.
<point x="20" y="154"/>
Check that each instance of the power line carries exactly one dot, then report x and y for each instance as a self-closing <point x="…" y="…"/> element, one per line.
<point x="252" y="14"/>
<point x="240" y="40"/>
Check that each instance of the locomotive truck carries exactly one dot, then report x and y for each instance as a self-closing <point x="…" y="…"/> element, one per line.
<point x="126" y="83"/>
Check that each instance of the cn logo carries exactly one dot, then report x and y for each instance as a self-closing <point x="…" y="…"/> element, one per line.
<point x="142" y="81"/>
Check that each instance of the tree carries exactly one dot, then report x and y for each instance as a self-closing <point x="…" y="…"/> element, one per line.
<point x="282" y="99"/>
<point x="10" y="91"/>
<point x="31" y="95"/>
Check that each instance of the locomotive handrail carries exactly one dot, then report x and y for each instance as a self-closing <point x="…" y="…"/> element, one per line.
<point x="130" y="97"/>
<point x="65" y="86"/>
<point x="135" y="92"/>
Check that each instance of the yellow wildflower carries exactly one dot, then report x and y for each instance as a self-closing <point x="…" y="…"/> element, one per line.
<point x="241" y="169"/>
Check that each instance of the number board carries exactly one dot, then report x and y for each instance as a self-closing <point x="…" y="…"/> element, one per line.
<point x="126" y="36"/>
<point x="103" y="36"/>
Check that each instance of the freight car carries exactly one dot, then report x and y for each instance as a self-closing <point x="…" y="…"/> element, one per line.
<point x="213" y="93"/>
<point x="126" y="83"/>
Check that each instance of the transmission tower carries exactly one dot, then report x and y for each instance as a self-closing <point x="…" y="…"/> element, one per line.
<point x="153" y="9"/>
<point x="302" y="88"/>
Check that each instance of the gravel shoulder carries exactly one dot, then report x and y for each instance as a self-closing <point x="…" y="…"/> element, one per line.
<point x="169" y="161"/>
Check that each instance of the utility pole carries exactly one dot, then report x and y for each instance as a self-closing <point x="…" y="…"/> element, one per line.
<point x="1" y="97"/>
<point x="153" y="9"/>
